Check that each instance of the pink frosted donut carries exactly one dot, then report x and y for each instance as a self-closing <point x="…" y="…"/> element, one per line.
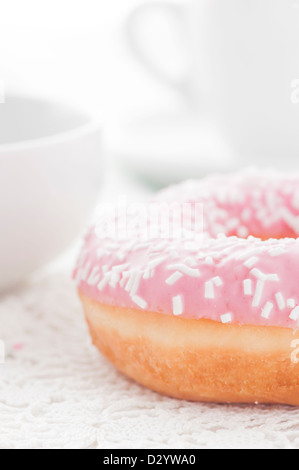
<point x="201" y="308"/>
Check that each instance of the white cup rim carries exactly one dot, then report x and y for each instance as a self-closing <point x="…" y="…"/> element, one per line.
<point x="91" y="125"/>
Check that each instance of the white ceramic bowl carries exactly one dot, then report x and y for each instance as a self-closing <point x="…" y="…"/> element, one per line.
<point x="50" y="169"/>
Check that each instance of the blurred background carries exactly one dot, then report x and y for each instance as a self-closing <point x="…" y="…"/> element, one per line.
<point x="182" y="88"/>
<point x="194" y="86"/>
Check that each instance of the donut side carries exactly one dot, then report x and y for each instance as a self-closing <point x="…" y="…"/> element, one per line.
<point x="197" y="360"/>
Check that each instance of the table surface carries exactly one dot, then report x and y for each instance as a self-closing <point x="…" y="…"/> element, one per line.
<point x="57" y="391"/>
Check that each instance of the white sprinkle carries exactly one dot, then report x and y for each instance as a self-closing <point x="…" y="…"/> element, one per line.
<point x="209" y="290"/>
<point x="295" y="200"/>
<point x="280" y="300"/>
<point x="104" y="281"/>
<point x="184" y="269"/>
<point x="217" y="281"/>
<point x="178" y="305"/>
<point x="139" y="301"/>
<point x="290" y="219"/>
<point x="251" y="262"/>
<point x="291" y="303"/>
<point x="247" y="285"/>
<point x="156" y="262"/>
<point x="272" y="277"/>
<point x="190" y="261"/>
<point x="246" y="214"/>
<point x="242" y="231"/>
<point x="161" y="246"/>
<point x="131" y="280"/>
<point x="130" y="245"/>
<point x="125" y="276"/>
<point x="136" y="282"/>
<point x="258" y="293"/>
<point x="295" y="313"/>
<point x="267" y="310"/>
<point x="147" y="274"/>
<point x="242" y="256"/>
<point x="190" y="246"/>
<point x="276" y="251"/>
<point x="114" y="279"/>
<point x="120" y="268"/>
<point x="232" y="223"/>
<point x="209" y="260"/>
<point x="112" y="246"/>
<point x="226" y="318"/>
<point x="264" y="277"/>
<point x="120" y="255"/>
<point x="174" y="278"/>
<point x="258" y="274"/>
<point x="83" y="272"/>
<point x="142" y="246"/>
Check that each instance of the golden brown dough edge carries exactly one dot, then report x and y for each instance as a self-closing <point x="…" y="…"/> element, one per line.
<point x="198" y="360"/>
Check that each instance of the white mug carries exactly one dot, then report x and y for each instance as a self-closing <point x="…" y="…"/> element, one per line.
<point x="242" y="68"/>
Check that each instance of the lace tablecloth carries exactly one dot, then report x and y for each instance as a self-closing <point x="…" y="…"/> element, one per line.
<point x="56" y="391"/>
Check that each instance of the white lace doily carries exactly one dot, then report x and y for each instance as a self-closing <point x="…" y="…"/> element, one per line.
<point x="56" y="391"/>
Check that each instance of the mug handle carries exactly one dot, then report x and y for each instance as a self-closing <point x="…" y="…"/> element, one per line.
<point x="182" y="84"/>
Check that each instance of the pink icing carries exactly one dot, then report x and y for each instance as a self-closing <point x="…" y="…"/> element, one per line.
<point x="215" y="275"/>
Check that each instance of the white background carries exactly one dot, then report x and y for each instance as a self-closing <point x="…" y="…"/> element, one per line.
<point x="75" y="49"/>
